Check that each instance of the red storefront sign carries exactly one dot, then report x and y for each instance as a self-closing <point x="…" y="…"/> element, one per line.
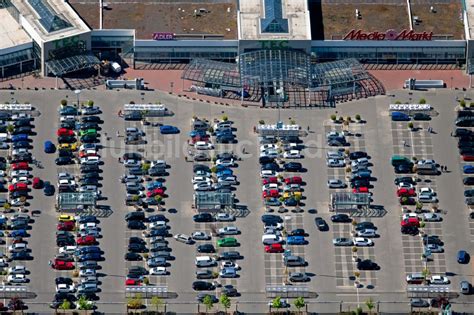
<point x="163" y="36"/>
<point x="388" y="35"/>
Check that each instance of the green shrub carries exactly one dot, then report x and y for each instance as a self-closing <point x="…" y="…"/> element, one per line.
<point x="63" y="102"/>
<point x="422" y="101"/>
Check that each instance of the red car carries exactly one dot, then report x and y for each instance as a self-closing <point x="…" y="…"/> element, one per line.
<point x="294" y="180"/>
<point x="37" y="183"/>
<point x="274" y="248"/>
<point x="467" y="157"/>
<point x="64" y="132"/>
<point x="66" y="226"/>
<point x="410" y="222"/>
<point x="17" y="187"/>
<point x="86" y="240"/>
<point x="270" y="180"/>
<point x="199" y="138"/>
<point x="271" y="193"/>
<point x="133" y="282"/>
<point x="360" y="190"/>
<point x="20" y="166"/>
<point x="62" y="265"/>
<point x="404" y="192"/>
<point x="154" y="192"/>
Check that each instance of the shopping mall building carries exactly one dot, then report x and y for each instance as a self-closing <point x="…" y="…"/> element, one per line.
<point x="55" y="38"/>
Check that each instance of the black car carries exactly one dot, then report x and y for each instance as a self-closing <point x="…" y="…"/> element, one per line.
<point x="404" y="179"/>
<point x="265" y="160"/>
<point x="137" y="247"/>
<point x="203" y="217"/>
<point x="70" y="124"/>
<point x="89" y="181"/>
<point x="271" y="218"/>
<point x="137" y="171"/>
<point x="230" y="255"/>
<point x="204" y="274"/>
<point x="132" y="156"/>
<point x="202" y="286"/>
<point x="94" y="119"/>
<point x="133" y="116"/>
<point x="364" y="226"/>
<point x="156" y="218"/>
<point x="130" y="256"/>
<point x="21" y="145"/>
<point x="200" y="298"/>
<point x="229" y="290"/>
<point x="88" y="139"/>
<point x="138" y="270"/>
<point x="22" y="122"/>
<point x="63" y="280"/>
<point x="292" y="167"/>
<point x="62" y="160"/>
<point x="229" y="138"/>
<point x="61" y="296"/>
<point x="22" y="255"/>
<point x="90" y="168"/>
<point x="360" y="183"/>
<point x="25" y="130"/>
<point x="206" y="248"/>
<point x="421" y="116"/>
<point x="460" y="132"/>
<point x="403" y="169"/>
<point x="297" y="232"/>
<point x="89" y="125"/>
<point x="367" y="264"/>
<point x="468" y="181"/>
<point x="160" y="247"/>
<point x="66" y="139"/>
<point x="469" y="193"/>
<point x="270" y="166"/>
<point x="432" y="239"/>
<point x="410" y="230"/>
<point x="158" y="232"/>
<point x="463" y="151"/>
<point x="341" y="218"/>
<point x="135" y="215"/>
<point x="321" y="224"/>
<point x="357" y="155"/>
<point x="465" y="144"/>
<point x="65" y="153"/>
<point x="136" y="225"/>
<point x="91" y="175"/>
<point x="65" y="242"/>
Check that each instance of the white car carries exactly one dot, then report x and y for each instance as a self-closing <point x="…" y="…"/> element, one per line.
<point x="200" y="236"/>
<point x="275" y="226"/>
<point x="367" y="233"/>
<point x="65" y="288"/>
<point x="17" y="278"/>
<point x="20" y="150"/>
<point x="268" y="173"/>
<point x="88" y="225"/>
<point x="158" y="271"/>
<point x="272" y="231"/>
<point x="437" y="279"/>
<point x="202" y="186"/>
<point x="425" y="198"/>
<point x="17" y="247"/>
<point x="202" y="145"/>
<point x="67" y="118"/>
<point x="17" y="270"/>
<point x="427" y="191"/>
<point x="158" y="164"/>
<point x="409" y="215"/>
<point x="225" y="162"/>
<point x="90" y="160"/>
<point x="230" y="180"/>
<point x="17" y="173"/>
<point x="334" y="134"/>
<point x="362" y="161"/>
<point x="20" y="179"/>
<point x="405" y="185"/>
<point x="335" y="155"/>
<point x="65" y="176"/>
<point x="183" y="238"/>
<point x="336" y="183"/>
<point x="131" y="163"/>
<point x="271" y="153"/>
<point x="225" y="217"/>
<point x="432" y="217"/>
<point x="229" y="264"/>
<point x="292" y="187"/>
<point x="265" y="147"/>
<point x="87" y="273"/>
<point x="201" y="179"/>
<point x="335" y="163"/>
<point x="426" y="162"/>
<point x="3" y="263"/>
<point x="67" y="250"/>
<point x="157" y="225"/>
<point x="362" y="241"/>
<point x="66" y="182"/>
<point x="269" y="186"/>
<point x="292" y="154"/>
<point x="229" y="230"/>
<point x="17" y="202"/>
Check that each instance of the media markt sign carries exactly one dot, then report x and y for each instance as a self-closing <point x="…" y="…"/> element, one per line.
<point x="388" y="35"/>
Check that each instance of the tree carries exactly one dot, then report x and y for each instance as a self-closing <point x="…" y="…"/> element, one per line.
<point x="63" y="102"/>
<point x="462" y="103"/>
<point x="370" y="305"/>
<point x="84" y="303"/>
<point x="65" y="305"/>
<point x="357" y="117"/>
<point x="135" y="302"/>
<point x="225" y="302"/>
<point x="156" y="301"/>
<point x="146" y="166"/>
<point x="276" y="302"/>
<point x="422" y="101"/>
<point x="410" y="125"/>
<point x="398" y="102"/>
<point x="90" y="103"/>
<point x="261" y="122"/>
<point x="10" y="128"/>
<point x="333" y="117"/>
<point x="299" y="303"/>
<point x="208" y="302"/>
<point x="426" y="273"/>
<point x="225" y="118"/>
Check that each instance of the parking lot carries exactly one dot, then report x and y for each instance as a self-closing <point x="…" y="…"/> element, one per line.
<point x="331" y="268"/>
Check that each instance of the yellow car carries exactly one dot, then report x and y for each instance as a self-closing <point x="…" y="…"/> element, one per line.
<point x="296" y="194"/>
<point x="68" y="146"/>
<point x="65" y="217"/>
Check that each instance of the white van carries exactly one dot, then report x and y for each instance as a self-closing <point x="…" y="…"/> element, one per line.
<point x="269" y="239"/>
<point x="205" y="261"/>
<point x="116" y="67"/>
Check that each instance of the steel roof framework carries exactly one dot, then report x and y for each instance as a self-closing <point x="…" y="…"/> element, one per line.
<point x="70" y="64"/>
<point x="212" y="72"/>
<point x="337" y="72"/>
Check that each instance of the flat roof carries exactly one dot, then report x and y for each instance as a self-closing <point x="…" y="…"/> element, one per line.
<point x="470" y="17"/>
<point x="62" y="9"/>
<point x="444" y="20"/>
<point x="335" y="20"/>
<point x="11" y="33"/>
<point x="252" y="11"/>
<point x="220" y="20"/>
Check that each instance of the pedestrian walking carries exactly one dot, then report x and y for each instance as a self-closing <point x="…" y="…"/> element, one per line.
<point x="404" y="143"/>
<point x="118" y="133"/>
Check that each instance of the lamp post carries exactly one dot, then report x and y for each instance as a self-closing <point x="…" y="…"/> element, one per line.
<point x="77" y="92"/>
<point x="279" y="93"/>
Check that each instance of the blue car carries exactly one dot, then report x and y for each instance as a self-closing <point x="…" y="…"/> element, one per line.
<point x="295" y="240"/>
<point x="167" y="129"/>
<point x="49" y="147"/>
<point x="18" y="233"/>
<point x="200" y="133"/>
<point x="88" y="250"/>
<point x="463" y="257"/>
<point x="20" y="137"/>
<point x="224" y="173"/>
<point x="154" y="185"/>
<point x="399" y="116"/>
<point x="90" y="256"/>
<point x="468" y="169"/>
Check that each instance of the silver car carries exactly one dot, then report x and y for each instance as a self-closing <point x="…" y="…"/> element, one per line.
<point x="342" y="241"/>
<point x="336" y="183"/>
